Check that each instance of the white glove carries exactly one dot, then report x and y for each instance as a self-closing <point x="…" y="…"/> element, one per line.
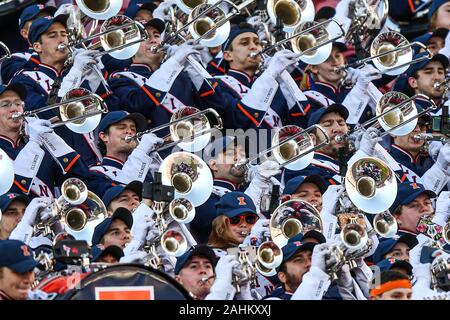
<point x="149" y="141"/>
<point x="224" y="268"/>
<point x="362" y="77"/>
<point x="259" y="232"/>
<point x="267" y="169"/>
<point x="84" y="59"/>
<point x="319" y="256"/>
<point x="342" y="8"/>
<point x="142" y="223"/>
<point x="163" y="10"/>
<point x="433" y="149"/>
<point x="443" y="159"/>
<point x="205" y="56"/>
<point x="281" y="61"/>
<point x="442" y="212"/>
<point x="180" y="53"/>
<point x="35" y="128"/>
<point x="134" y="257"/>
<point x="331" y="197"/>
<point x="369" y="140"/>
<point x="32" y="211"/>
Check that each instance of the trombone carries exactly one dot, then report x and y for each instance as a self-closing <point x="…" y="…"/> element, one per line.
<point x="80" y="110"/>
<point x="291" y="12"/>
<point x="391" y="53"/>
<point x="7" y="52"/>
<point x="189" y="127"/>
<point x="428" y="137"/>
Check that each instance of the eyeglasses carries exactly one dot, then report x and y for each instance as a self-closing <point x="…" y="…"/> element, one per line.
<point x="249" y="219"/>
<point x="9" y="104"/>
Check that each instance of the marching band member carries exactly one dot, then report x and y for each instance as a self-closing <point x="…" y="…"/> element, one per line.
<point x="114" y="230"/>
<point x="394" y="285"/>
<point x="125" y="161"/>
<point x="395" y="248"/>
<point x="310" y="189"/>
<point x="434" y="41"/>
<point x="12" y="206"/>
<point x="16" y="270"/>
<point x="128" y="196"/>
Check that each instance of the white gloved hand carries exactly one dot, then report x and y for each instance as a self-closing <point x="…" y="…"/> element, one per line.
<point x="180" y="53"/>
<point x="205" y="56"/>
<point x="362" y="77"/>
<point x="433" y="149"/>
<point x="331" y="197"/>
<point x="224" y="268"/>
<point x="142" y="223"/>
<point x="369" y="140"/>
<point x="148" y="142"/>
<point x="345" y="279"/>
<point x="134" y="257"/>
<point x="259" y="231"/>
<point x="163" y="10"/>
<point x="281" y="61"/>
<point x="443" y="159"/>
<point x="320" y="255"/>
<point x="267" y="169"/>
<point x="442" y="212"/>
<point x="342" y="8"/>
<point x="32" y="211"/>
<point x="35" y="128"/>
<point x="84" y="59"/>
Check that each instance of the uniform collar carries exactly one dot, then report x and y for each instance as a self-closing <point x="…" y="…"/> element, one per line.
<point x="241" y="76"/>
<point x="11" y="142"/>
<point x="226" y="184"/>
<point x="48" y="70"/>
<point x="404" y="154"/>
<point x="112" y="162"/>
<point x="140" y="68"/>
<point x="325" y="88"/>
<point x="321" y="156"/>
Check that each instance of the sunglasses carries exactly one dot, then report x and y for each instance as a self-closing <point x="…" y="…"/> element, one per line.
<point x="249" y="219"/>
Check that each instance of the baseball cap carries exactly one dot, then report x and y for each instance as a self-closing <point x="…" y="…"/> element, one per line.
<point x="41" y="25"/>
<point x="235" y="203"/>
<point x="435" y="6"/>
<point x="234" y="32"/>
<point x="103" y="227"/>
<point x="293" y="184"/>
<point x="420" y="65"/>
<point x="407" y="192"/>
<point x="387" y="245"/>
<point x="98" y="252"/>
<point x="199" y="250"/>
<point x="17" y="88"/>
<point x="293" y="246"/>
<point x="315" y="235"/>
<point x="7" y="198"/>
<point x="441" y="32"/>
<point x="114" y="192"/>
<point x="156" y="23"/>
<point x="133" y="8"/>
<point x="16" y="256"/>
<point x="31" y="12"/>
<point x="340" y="45"/>
<point x="317" y="115"/>
<point x="388" y="264"/>
<point x="113" y="117"/>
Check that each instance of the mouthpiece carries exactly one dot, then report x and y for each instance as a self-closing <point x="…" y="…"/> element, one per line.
<point x="128" y="139"/>
<point x="206" y="279"/>
<point x="62" y="47"/>
<point x="339" y="139"/>
<point x="254" y="54"/>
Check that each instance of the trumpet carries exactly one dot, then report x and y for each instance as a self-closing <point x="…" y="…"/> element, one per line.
<point x="428" y="137"/>
<point x="7" y="52"/>
<point x="190" y="129"/>
<point x="74" y="208"/>
<point x="79" y="110"/>
<point x="391" y="53"/>
<point x="246" y="269"/>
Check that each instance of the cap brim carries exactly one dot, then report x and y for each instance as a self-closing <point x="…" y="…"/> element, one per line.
<point x="402" y="264"/>
<point x="135" y="186"/>
<point x="315" y="235"/>
<point x="24" y="266"/>
<point x="409" y="239"/>
<point x="414" y="195"/>
<point x="17" y="88"/>
<point x="339" y="109"/>
<point x="205" y="251"/>
<point x="236" y="212"/>
<point x="139" y="120"/>
<point x="325" y="13"/>
<point x="340" y="45"/>
<point x="156" y="23"/>
<point x="318" y="181"/>
<point x="123" y="214"/>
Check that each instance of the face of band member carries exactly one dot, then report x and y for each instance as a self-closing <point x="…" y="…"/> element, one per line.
<point x="192" y="273"/>
<point x="442" y="16"/>
<point x="10" y="103"/>
<point x="239" y="227"/>
<point x="47" y="47"/>
<point x="334" y="124"/>
<point x="145" y="53"/>
<point x="309" y="192"/>
<point x="294" y="269"/>
<point x="396" y="294"/>
<point x="239" y="56"/>
<point x="408" y="142"/>
<point x="126" y="199"/>
<point x="411" y="212"/>
<point x="117" y="235"/>
<point x="400" y="252"/>
<point x="426" y="77"/>
<point x="325" y="70"/>
<point x="115" y="138"/>
<point x="16" y="285"/>
<point x="223" y="166"/>
<point x="435" y="44"/>
<point x="11" y="217"/>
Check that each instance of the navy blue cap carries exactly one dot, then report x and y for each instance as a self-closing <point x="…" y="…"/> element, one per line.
<point x="340" y="45"/>
<point x="388" y="264"/>
<point x="114" y="192"/>
<point x="98" y="252"/>
<point x="293" y="184"/>
<point x="426" y="255"/>
<point x="156" y="23"/>
<point x="133" y="8"/>
<point x="31" y="12"/>
<point x="232" y="204"/>
<point x="103" y="227"/>
<point x="318" y="114"/>
<point x="295" y="244"/>
<point x="435" y="6"/>
<point x="420" y="65"/>
<point x="113" y="117"/>
<point x="7" y="198"/>
<point x="314" y="234"/>
<point x="16" y="256"/>
<point x="17" y="88"/>
<point x="41" y="25"/>
<point x="199" y="250"/>
<point x="234" y="32"/>
<point x="441" y="32"/>
<point x="386" y="246"/>
<point x="407" y="192"/>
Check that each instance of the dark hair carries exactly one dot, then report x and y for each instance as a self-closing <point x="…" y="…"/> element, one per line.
<point x="390" y="275"/>
<point x="101" y="145"/>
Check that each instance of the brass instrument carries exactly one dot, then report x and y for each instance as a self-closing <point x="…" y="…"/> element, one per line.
<point x="79" y="110"/>
<point x="190" y="129"/>
<point x="7" y="52"/>
<point x="7" y="172"/>
<point x="246" y="270"/>
<point x="428" y="137"/>
<point x="291" y="12"/>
